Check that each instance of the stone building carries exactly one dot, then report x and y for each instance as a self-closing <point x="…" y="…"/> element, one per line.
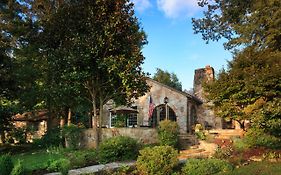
<point x="163" y="102"/>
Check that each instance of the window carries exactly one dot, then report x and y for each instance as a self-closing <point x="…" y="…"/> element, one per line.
<point x="132" y="120"/>
<point x="113" y="120"/>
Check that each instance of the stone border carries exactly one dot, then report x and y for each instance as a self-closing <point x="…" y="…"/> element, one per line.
<point x="97" y="168"/>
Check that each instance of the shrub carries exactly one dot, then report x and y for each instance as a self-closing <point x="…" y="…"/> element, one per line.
<point x="117" y="149"/>
<point x="61" y="165"/>
<point x="258" y="137"/>
<point x="51" y="138"/>
<point x="168" y="133"/>
<point x="91" y="156"/>
<point x="239" y="144"/>
<point x="200" y="135"/>
<point x="18" y="169"/>
<point x="72" y="135"/>
<point x="205" y="167"/>
<point x="6" y="164"/>
<point x="19" y="135"/>
<point x="223" y="153"/>
<point x="157" y="160"/>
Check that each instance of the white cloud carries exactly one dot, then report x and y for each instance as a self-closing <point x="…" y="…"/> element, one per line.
<point x="142" y="5"/>
<point x="178" y="8"/>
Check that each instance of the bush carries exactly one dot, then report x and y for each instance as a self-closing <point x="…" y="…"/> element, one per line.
<point x="6" y="164"/>
<point x="117" y="149"/>
<point x="18" y="169"/>
<point x="200" y="135"/>
<point x="239" y="144"/>
<point x="51" y="138"/>
<point x="91" y="156"/>
<point x="258" y="137"/>
<point x="223" y="153"/>
<point x="72" y="135"/>
<point x="61" y="165"/>
<point x="157" y="160"/>
<point x="205" y="167"/>
<point x="168" y="133"/>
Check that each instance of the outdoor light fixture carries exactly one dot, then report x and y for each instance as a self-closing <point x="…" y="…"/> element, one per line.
<point x="166" y="100"/>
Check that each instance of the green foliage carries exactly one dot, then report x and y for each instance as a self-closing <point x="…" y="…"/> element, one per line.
<point x="19" y="134"/>
<point x="168" y="133"/>
<point x="61" y="165"/>
<point x="169" y="79"/>
<point x="240" y="144"/>
<point x="271" y="155"/>
<point x="240" y="22"/>
<point x="120" y="121"/>
<point x="200" y="135"/>
<point x="117" y="149"/>
<point x="53" y="137"/>
<point x="72" y="134"/>
<point x="258" y="137"/>
<point x="257" y="168"/>
<point x="250" y="90"/>
<point x="18" y="169"/>
<point x="157" y="160"/>
<point x="6" y="164"/>
<point x="205" y="167"/>
<point x="223" y="152"/>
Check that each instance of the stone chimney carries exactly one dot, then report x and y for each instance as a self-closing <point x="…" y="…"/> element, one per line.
<point x="202" y="75"/>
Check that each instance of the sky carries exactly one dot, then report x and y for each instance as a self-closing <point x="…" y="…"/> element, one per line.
<point x="172" y="44"/>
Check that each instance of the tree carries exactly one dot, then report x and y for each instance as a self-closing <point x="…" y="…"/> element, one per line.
<point x="250" y="89"/>
<point x="241" y="22"/>
<point x="11" y="28"/>
<point x="169" y="79"/>
<point x="93" y="49"/>
<point x="251" y="86"/>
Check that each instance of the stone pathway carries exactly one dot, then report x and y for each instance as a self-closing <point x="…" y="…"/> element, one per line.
<point x="195" y="152"/>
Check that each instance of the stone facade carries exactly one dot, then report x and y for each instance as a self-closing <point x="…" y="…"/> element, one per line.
<point x="181" y="105"/>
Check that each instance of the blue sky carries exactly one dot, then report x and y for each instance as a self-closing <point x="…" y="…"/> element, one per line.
<point x="172" y="44"/>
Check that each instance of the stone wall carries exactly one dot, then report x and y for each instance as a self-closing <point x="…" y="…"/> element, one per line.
<point x="144" y="135"/>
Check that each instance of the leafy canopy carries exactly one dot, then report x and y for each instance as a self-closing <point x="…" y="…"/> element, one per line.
<point x="251" y="86"/>
<point x="241" y="22"/>
<point x="167" y="78"/>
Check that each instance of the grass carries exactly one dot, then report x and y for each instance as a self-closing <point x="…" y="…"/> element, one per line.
<point x="36" y="160"/>
<point x="257" y="168"/>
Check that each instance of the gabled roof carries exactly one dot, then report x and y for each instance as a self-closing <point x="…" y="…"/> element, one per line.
<point x="31" y="116"/>
<point x="197" y="100"/>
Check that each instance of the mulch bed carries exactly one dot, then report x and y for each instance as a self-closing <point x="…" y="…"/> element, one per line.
<point x="246" y="154"/>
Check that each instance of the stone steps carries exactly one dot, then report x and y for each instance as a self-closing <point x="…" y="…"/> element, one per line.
<point x="186" y="140"/>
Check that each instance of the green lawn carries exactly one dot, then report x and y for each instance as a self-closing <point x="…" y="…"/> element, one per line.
<point x="36" y="160"/>
<point x="39" y="159"/>
<point x="257" y="168"/>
